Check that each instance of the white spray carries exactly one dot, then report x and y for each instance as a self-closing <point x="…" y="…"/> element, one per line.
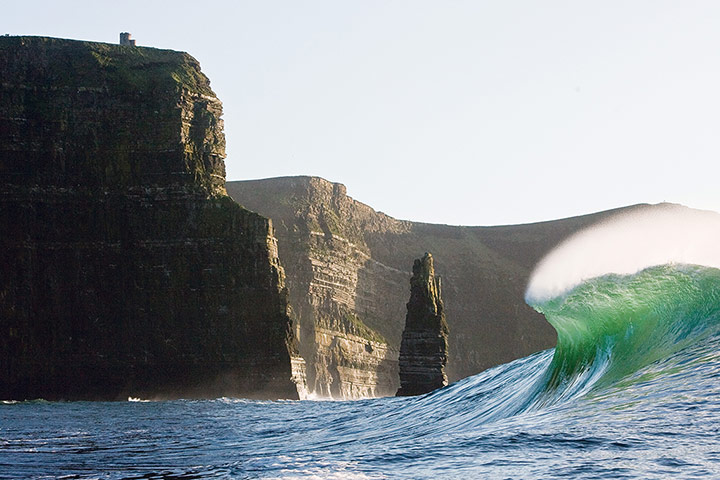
<point x="626" y="244"/>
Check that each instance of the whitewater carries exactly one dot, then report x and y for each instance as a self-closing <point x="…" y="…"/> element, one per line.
<point x="632" y="390"/>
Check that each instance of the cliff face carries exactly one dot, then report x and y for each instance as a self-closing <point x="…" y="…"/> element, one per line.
<point x="347" y="270"/>
<point x="424" y="346"/>
<point x="341" y="296"/>
<point x="126" y="270"/>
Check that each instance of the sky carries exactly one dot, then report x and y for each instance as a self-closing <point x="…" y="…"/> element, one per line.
<point x="461" y="112"/>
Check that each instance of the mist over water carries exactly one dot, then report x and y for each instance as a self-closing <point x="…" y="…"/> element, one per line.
<point x="627" y="243"/>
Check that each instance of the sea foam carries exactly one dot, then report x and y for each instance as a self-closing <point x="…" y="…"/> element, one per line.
<point x="625" y="244"/>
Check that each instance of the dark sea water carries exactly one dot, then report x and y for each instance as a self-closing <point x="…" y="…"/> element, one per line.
<point x="631" y="391"/>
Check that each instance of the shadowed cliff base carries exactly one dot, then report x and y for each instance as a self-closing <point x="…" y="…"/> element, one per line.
<point x="126" y="270"/>
<point x="347" y="272"/>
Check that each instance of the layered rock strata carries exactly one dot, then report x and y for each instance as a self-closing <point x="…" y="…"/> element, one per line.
<point x="342" y="297"/>
<point x="424" y="345"/>
<point x="347" y="274"/>
<point x="125" y="270"/>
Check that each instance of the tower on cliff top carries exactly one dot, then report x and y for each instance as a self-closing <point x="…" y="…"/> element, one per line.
<point x="126" y="40"/>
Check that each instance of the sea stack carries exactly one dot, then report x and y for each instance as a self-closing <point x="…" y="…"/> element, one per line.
<point x="125" y="269"/>
<point x="424" y="347"/>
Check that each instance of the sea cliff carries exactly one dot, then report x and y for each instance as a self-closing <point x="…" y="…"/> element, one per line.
<point x="349" y="306"/>
<point x="347" y="270"/>
<point x="125" y="269"/>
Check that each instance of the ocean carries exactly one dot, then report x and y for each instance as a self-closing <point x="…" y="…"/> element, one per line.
<point x="632" y="390"/>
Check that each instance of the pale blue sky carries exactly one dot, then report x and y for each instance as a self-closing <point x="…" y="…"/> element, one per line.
<point x="463" y="112"/>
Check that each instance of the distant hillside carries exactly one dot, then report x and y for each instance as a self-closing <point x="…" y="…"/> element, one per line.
<point x="348" y="269"/>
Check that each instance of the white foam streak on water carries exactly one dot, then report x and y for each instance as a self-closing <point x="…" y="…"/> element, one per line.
<point x="626" y="244"/>
<point x="316" y="397"/>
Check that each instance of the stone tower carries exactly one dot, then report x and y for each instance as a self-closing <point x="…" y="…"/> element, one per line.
<point x="126" y="40"/>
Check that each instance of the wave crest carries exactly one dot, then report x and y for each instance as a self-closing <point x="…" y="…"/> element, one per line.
<point x="627" y="243"/>
<point x="611" y="326"/>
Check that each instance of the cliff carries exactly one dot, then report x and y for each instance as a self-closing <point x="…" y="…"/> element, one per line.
<point x="424" y="345"/>
<point x="344" y="300"/>
<point x="347" y="274"/>
<point x="125" y="268"/>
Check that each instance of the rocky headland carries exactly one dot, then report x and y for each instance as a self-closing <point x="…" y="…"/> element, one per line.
<point x="424" y="345"/>
<point x="347" y="273"/>
<point x="126" y="270"/>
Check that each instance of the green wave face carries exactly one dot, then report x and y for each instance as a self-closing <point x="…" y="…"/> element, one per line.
<point x="611" y="326"/>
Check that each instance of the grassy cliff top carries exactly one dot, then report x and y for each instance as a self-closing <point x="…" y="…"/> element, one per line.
<point x="70" y="63"/>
